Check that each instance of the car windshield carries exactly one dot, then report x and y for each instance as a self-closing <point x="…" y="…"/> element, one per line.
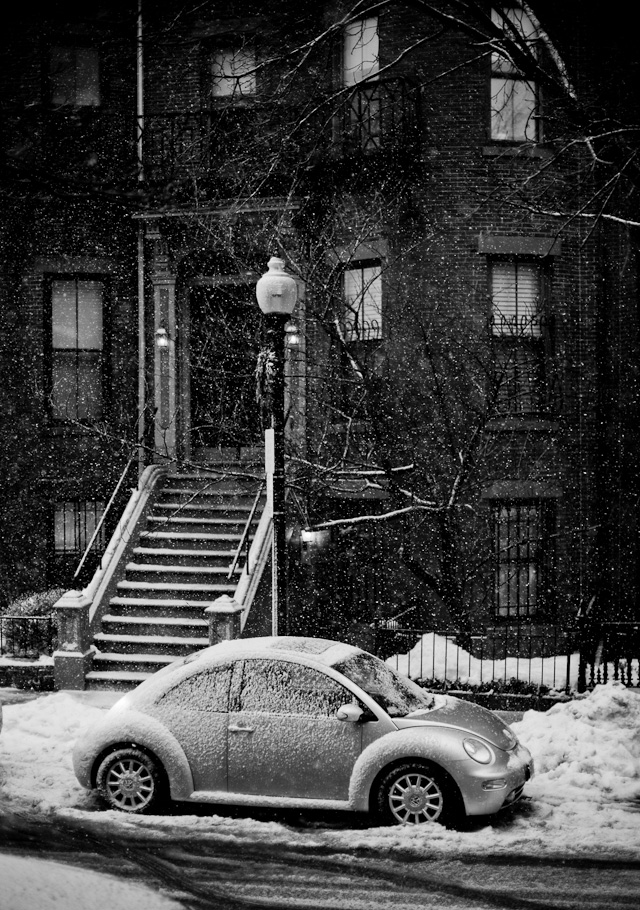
<point x="396" y="694"/>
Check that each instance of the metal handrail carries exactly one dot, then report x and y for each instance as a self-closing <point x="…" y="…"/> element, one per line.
<point x="103" y="517"/>
<point x="245" y="533"/>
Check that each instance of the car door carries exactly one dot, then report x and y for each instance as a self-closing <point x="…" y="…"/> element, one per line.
<point x="195" y="710"/>
<point x="284" y="737"/>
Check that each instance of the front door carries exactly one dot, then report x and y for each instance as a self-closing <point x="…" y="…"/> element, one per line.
<point x="223" y="350"/>
<point x="285" y="739"/>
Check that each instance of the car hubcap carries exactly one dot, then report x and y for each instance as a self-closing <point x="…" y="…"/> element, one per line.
<point x="129" y="784"/>
<point x="415" y="798"/>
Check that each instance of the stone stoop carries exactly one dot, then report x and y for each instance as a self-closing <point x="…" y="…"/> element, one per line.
<point x="179" y="568"/>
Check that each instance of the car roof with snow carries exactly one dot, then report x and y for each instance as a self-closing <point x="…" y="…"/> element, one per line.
<point x="314" y="650"/>
<point x="319" y="649"/>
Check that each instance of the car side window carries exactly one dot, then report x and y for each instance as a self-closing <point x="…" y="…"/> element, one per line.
<point x="204" y="691"/>
<point x="280" y="687"/>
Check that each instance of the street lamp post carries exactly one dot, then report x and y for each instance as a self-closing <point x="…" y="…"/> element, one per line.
<point x="276" y="292"/>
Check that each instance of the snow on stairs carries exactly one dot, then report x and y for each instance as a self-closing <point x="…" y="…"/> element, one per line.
<point x="180" y="566"/>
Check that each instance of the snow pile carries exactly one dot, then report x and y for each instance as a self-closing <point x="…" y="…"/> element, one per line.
<point x="56" y="886"/>
<point x="583" y="800"/>
<point x="587" y="752"/>
<point x="437" y="657"/>
<point x="36" y="772"/>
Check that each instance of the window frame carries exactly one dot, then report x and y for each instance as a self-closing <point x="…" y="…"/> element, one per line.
<point x="526" y="350"/>
<point x="362" y="120"/>
<point x="51" y="83"/>
<point x="520" y="570"/>
<point x="503" y="70"/>
<point x="351" y="335"/>
<point x="237" y="45"/>
<point x="104" y="354"/>
<point x="80" y="508"/>
<point x="237" y="704"/>
<point x="350" y="77"/>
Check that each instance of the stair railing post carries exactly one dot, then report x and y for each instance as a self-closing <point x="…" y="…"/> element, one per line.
<point x="224" y="616"/>
<point x="74" y="654"/>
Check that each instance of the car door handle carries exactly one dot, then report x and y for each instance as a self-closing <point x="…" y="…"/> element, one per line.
<point x="235" y="729"/>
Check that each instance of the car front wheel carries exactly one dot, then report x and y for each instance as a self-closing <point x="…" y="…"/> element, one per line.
<point x="131" y="781"/>
<point x="412" y="793"/>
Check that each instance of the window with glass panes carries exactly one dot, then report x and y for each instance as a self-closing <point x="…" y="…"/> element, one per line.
<point x="74" y="76"/>
<point x="514" y="98"/>
<point x="522" y="552"/>
<point x="77" y="348"/>
<point x="233" y="71"/>
<point x="362" y="301"/>
<point x="360" y="64"/>
<point x="75" y="522"/>
<point x="517" y="329"/>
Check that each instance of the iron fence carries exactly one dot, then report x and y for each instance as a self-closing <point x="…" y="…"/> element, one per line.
<point x="27" y="636"/>
<point x="609" y="651"/>
<point x="515" y="658"/>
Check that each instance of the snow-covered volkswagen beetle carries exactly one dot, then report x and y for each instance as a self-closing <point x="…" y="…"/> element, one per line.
<point x="301" y="722"/>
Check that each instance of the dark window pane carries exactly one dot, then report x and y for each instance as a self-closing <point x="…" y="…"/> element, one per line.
<point x="75" y="523"/>
<point x="279" y="687"/>
<point x="208" y="691"/>
<point x="522" y="548"/>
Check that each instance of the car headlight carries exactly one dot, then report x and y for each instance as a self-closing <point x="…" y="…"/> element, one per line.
<point x="511" y="737"/>
<point x="477" y="750"/>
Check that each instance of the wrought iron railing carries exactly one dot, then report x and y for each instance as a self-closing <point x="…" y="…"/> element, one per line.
<point x="117" y="500"/>
<point x="609" y="651"/>
<point x="379" y="114"/>
<point x="538" y="659"/>
<point x="245" y="539"/>
<point x="27" y="636"/>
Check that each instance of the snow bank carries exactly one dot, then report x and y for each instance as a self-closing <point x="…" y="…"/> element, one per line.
<point x="36" y="743"/>
<point x="56" y="886"/>
<point x="584" y="799"/>
<point x="437" y="657"/>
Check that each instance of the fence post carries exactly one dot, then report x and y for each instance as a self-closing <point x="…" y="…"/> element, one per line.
<point x="74" y="655"/>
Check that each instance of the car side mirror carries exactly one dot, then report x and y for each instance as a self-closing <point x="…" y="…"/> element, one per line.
<point x="351" y="713"/>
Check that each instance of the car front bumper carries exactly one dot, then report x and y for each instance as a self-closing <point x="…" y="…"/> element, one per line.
<point x="487" y="789"/>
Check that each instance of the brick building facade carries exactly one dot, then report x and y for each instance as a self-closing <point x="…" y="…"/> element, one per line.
<point x="466" y="375"/>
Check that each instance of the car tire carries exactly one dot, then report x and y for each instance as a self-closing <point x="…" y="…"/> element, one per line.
<point x="131" y="781"/>
<point x="415" y="793"/>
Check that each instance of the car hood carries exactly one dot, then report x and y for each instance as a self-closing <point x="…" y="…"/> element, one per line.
<point x="464" y="715"/>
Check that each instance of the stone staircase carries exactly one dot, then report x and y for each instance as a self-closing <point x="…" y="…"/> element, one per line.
<point x="179" y="566"/>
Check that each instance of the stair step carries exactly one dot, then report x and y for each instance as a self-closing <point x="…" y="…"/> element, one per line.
<point x="160" y="621"/>
<point x="160" y="602"/>
<point x="115" y="679"/>
<point x="158" y="632"/>
<point x="138" y="657"/>
<point x="190" y="535"/>
<point x="137" y="567"/>
<point x="127" y="640"/>
<point x="175" y="552"/>
<point x="232" y="507"/>
<point x="175" y="588"/>
<point x="195" y="522"/>
<point x="212" y="492"/>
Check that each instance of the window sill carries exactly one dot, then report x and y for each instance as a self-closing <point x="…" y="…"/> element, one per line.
<point x="516" y="151"/>
<point x="523" y="424"/>
<point x="69" y="429"/>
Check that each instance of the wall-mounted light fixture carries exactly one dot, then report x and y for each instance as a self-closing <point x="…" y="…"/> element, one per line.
<point x="292" y="333"/>
<point x="162" y="338"/>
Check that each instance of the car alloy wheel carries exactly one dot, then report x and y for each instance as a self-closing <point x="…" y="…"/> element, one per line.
<point x="411" y="794"/>
<point x="130" y="780"/>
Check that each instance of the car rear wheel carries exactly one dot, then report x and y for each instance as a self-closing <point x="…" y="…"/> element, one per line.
<point x="131" y="781"/>
<point x="413" y="794"/>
